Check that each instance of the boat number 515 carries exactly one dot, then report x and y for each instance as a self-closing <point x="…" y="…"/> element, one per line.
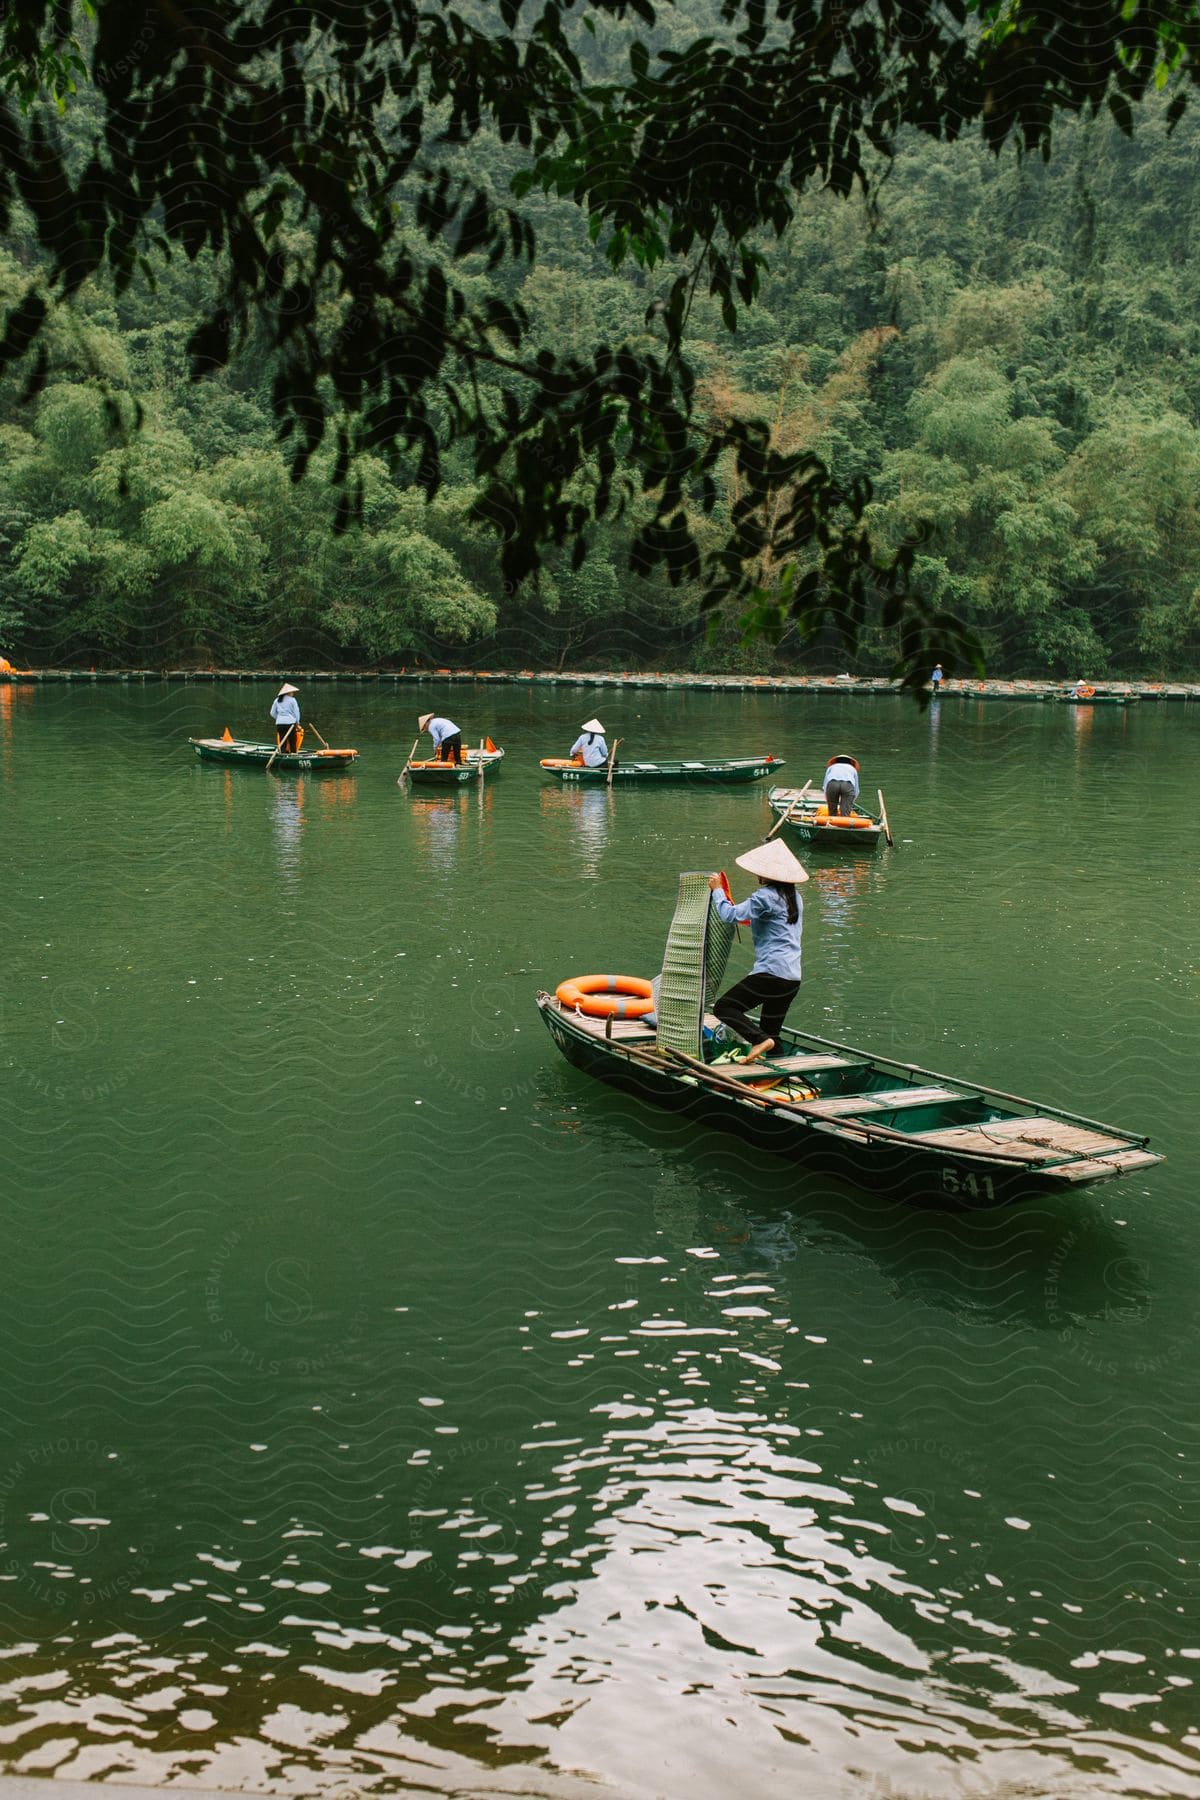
<point x="955" y="1182"/>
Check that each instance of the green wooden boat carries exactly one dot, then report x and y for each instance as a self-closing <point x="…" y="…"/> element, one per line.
<point x="699" y="771"/>
<point x="889" y="1126"/>
<point x="806" y="817"/>
<point x="475" y="764"/>
<point x="1073" y="699"/>
<point x="246" y="755"/>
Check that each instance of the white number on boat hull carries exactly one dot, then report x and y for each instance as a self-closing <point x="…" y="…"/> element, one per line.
<point x="955" y="1182"/>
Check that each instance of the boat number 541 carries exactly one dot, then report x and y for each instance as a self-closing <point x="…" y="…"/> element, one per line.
<point x="975" y="1186"/>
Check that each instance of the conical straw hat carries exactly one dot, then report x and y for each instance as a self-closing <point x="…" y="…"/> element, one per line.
<point x="774" y="862"/>
<point x="592" y="725"/>
<point x="423" y="721"/>
<point x="287" y="688"/>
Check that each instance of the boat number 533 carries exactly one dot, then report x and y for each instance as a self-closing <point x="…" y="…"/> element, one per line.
<point x="974" y="1186"/>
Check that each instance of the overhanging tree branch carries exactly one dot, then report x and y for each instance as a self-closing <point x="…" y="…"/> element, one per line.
<point x="215" y="127"/>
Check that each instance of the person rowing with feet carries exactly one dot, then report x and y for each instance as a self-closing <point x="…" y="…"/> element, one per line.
<point x="775" y="915"/>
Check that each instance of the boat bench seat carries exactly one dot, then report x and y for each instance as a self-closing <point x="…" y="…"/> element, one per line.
<point x="882" y="1100"/>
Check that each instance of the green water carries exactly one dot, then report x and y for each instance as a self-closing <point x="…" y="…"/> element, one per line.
<point x="386" y="1402"/>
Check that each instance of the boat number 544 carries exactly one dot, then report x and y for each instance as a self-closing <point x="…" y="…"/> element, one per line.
<point x="954" y="1181"/>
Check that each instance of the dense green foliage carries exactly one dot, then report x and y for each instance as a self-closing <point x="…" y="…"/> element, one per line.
<point x="1008" y="352"/>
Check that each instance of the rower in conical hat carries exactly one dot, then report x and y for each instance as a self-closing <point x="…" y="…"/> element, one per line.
<point x="589" y="747"/>
<point x="446" y="735"/>
<point x="285" y="710"/>
<point x="775" y="915"/>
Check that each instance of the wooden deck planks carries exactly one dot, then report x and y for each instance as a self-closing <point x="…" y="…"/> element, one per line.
<point x="975" y="1138"/>
<point x="1089" y="1169"/>
<point x="883" y="1100"/>
<point x="1056" y="1134"/>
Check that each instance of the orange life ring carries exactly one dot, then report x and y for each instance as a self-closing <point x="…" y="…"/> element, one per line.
<point x="825" y="817"/>
<point x="594" y="995"/>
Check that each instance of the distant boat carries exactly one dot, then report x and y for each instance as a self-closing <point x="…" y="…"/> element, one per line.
<point x="1071" y="698"/>
<point x="699" y="771"/>
<point x="889" y="1126"/>
<point x="476" y="764"/>
<point x="806" y="815"/>
<point x="238" y="750"/>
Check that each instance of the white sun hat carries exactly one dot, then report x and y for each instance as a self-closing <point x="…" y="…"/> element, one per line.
<point x="591" y="725"/>
<point x="774" y="862"/>
<point x="287" y="688"/>
<point x="423" y="721"/>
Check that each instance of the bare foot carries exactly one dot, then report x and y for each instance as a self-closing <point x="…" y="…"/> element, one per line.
<point x="759" y="1050"/>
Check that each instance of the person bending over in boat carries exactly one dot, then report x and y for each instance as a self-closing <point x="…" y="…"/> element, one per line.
<point x="589" y="747"/>
<point x="447" y="738"/>
<point x="776" y="917"/>
<point x="285" y="710"/>
<point x="841" y="786"/>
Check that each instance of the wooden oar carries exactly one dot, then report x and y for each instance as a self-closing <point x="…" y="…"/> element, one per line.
<point x="313" y="729"/>
<point x="784" y="817"/>
<point x="612" y="759"/>
<point x="278" y="748"/>
<point x="404" y="770"/>
<point x="883" y="818"/>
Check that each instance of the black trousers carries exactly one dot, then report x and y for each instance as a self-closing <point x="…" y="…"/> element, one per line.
<point x="450" y="748"/>
<point x="839" y="798"/>
<point x="770" y="993"/>
<point x="285" y="737"/>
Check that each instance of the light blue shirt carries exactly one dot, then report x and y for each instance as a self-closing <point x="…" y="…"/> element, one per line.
<point x="439" y="729"/>
<point x="592" y="748"/>
<point x="842" y="771"/>
<point x="776" y="943"/>
<point x="286" y="710"/>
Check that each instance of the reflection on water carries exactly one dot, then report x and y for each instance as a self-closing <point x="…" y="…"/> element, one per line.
<point x="1083" y="718"/>
<point x="287" y="824"/>
<point x="12" y="697"/>
<point x="841" y="888"/>
<point x="438" y="820"/>
<point x="590" y="812"/>
<point x="336" y="791"/>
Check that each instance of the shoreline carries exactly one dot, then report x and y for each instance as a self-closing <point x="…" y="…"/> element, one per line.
<point x="1113" y="692"/>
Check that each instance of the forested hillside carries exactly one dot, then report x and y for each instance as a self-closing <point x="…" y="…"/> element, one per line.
<point x="1009" y="352"/>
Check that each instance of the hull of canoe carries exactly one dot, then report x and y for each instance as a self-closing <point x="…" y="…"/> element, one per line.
<point x="914" y="1175"/>
<point x="841" y="839"/>
<point x="257" y="756"/>
<point x="1096" y="699"/>
<point x="444" y="774"/>
<point x="696" y="773"/>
